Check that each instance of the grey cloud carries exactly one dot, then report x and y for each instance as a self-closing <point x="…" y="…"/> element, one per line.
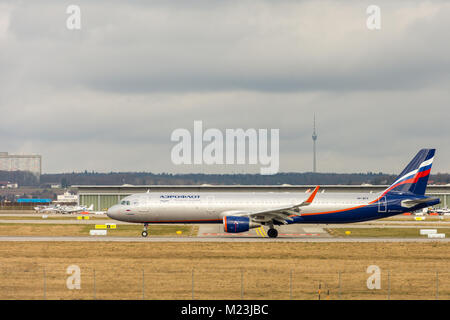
<point x="108" y="97"/>
<point x="127" y="49"/>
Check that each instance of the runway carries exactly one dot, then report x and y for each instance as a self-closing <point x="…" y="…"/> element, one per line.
<point x="216" y="228"/>
<point x="65" y="221"/>
<point x="215" y="232"/>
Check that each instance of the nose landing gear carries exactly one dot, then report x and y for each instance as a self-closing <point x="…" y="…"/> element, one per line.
<point x="145" y="232"/>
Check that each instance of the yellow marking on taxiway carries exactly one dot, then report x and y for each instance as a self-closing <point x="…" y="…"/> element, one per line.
<point x="261" y="232"/>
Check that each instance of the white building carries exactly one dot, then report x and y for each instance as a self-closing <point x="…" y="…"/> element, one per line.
<point x="8" y="185"/>
<point x="67" y="197"/>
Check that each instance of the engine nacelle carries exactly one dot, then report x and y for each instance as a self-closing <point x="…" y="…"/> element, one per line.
<point x="236" y="224"/>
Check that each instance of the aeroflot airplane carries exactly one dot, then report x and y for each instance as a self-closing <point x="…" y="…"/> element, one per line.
<point x="241" y="211"/>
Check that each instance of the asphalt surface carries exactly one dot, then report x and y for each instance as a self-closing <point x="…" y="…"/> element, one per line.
<point x="218" y="228"/>
<point x="60" y="221"/>
<point x="215" y="232"/>
<point x="289" y="231"/>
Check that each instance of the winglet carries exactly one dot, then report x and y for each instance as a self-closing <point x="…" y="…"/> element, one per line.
<point x="312" y="196"/>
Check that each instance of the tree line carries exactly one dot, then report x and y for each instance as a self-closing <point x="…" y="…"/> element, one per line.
<point x="24" y="178"/>
<point x="307" y="178"/>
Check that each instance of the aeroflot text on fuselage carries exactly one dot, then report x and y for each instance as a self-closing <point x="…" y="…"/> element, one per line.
<point x="180" y="196"/>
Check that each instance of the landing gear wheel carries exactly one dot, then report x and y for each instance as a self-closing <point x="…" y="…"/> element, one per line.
<point x="145" y="233"/>
<point x="272" y="233"/>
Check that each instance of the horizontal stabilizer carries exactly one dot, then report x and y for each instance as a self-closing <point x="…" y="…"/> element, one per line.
<point x="414" y="202"/>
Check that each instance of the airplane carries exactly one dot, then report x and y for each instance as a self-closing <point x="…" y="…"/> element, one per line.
<point x="76" y="209"/>
<point x="241" y="211"/>
<point x="48" y="209"/>
<point x="97" y="212"/>
<point x="442" y="211"/>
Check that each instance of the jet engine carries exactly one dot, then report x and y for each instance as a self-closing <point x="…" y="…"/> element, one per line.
<point x="236" y="224"/>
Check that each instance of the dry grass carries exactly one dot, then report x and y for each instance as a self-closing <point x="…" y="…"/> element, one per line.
<point x="39" y="217"/>
<point x="164" y="270"/>
<point x="382" y="232"/>
<point x="412" y="218"/>
<point x="30" y="229"/>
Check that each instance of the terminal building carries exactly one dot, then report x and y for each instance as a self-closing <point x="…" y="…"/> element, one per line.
<point x="31" y="163"/>
<point x="103" y="197"/>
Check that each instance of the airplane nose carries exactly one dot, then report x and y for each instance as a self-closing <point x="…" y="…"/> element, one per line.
<point x="113" y="212"/>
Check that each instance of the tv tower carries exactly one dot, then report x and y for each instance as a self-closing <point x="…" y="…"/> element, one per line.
<point x="314" y="137"/>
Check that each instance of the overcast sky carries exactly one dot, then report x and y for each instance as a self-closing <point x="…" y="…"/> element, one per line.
<point x="107" y="97"/>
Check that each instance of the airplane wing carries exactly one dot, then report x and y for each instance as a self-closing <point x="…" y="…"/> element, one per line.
<point x="281" y="214"/>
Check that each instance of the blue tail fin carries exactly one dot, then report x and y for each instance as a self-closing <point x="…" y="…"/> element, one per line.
<point x="414" y="177"/>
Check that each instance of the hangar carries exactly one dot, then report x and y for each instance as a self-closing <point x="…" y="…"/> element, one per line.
<point x="103" y="197"/>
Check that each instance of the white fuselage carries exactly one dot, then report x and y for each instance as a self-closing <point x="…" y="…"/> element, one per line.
<point x="213" y="206"/>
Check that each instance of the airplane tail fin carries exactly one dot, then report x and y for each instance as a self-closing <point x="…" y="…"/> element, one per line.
<point x="414" y="178"/>
<point x="91" y="207"/>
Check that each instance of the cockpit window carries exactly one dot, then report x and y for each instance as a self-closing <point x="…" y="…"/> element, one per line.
<point x="125" y="203"/>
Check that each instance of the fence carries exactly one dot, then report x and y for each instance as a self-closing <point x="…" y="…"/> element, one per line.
<point x="19" y="206"/>
<point x="30" y="281"/>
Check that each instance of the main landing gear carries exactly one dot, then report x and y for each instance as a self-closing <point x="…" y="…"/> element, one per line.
<point x="145" y="232"/>
<point x="272" y="233"/>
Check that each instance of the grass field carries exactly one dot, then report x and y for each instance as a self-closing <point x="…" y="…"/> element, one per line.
<point x="382" y="232"/>
<point x="134" y="230"/>
<point x="412" y="218"/>
<point x="39" y="217"/>
<point x="30" y="229"/>
<point x="224" y="270"/>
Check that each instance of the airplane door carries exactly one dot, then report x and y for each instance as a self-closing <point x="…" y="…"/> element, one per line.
<point x="210" y="201"/>
<point x="143" y="204"/>
<point x="382" y="205"/>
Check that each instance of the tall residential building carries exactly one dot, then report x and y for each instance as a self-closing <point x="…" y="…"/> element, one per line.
<point x="31" y="163"/>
